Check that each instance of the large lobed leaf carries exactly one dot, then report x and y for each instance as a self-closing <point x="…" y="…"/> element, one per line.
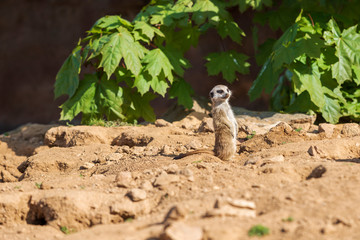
<point x="67" y="79"/>
<point x="227" y="63"/>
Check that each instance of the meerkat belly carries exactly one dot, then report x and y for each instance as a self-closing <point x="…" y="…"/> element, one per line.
<point x="225" y="146"/>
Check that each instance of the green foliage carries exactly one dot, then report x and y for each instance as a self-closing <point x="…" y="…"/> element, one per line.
<point x="313" y="67"/>
<point x="258" y="230"/>
<point x="131" y="63"/>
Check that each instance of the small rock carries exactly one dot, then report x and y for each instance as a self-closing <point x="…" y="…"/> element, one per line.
<point x="275" y="159"/>
<point x="7" y="177"/>
<point x="166" y="150"/>
<point x="45" y="186"/>
<point x="241" y="203"/>
<point x="138" y="151"/>
<point x="172" y="168"/>
<point x="194" y="144"/>
<point x="124" y="149"/>
<point x="174" y="214"/>
<point x="206" y="125"/>
<point x="165" y="179"/>
<point x="188" y="173"/>
<point x="124" y="179"/>
<point x="231" y="211"/>
<point x="327" y="129"/>
<point x="351" y="129"/>
<point x="317" y="172"/>
<point x="182" y="231"/>
<point x="114" y="157"/>
<point x="137" y="195"/>
<point x="146" y="185"/>
<point x="315" y="151"/>
<point x="87" y="165"/>
<point x="162" y="123"/>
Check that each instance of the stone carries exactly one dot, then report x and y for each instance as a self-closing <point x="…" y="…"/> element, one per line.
<point x="172" y="169"/>
<point x="165" y="179"/>
<point x="182" y="231"/>
<point x="162" y="123"/>
<point x="241" y="203"/>
<point x="174" y="214"/>
<point x="114" y="157"/>
<point x="230" y="211"/>
<point x="137" y="195"/>
<point x="87" y="165"/>
<point x="188" y="173"/>
<point x="194" y="144"/>
<point x="317" y="172"/>
<point x="275" y="159"/>
<point x="7" y="177"/>
<point x="351" y="130"/>
<point x="327" y="129"/>
<point x="206" y="125"/>
<point x="166" y="150"/>
<point x="146" y="185"/>
<point x="124" y="179"/>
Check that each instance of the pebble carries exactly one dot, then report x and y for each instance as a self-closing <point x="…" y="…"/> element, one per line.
<point x="351" y="129"/>
<point x="162" y="123"/>
<point x="137" y="195"/>
<point x="166" y="150"/>
<point x="174" y="214"/>
<point x="7" y="177"/>
<point x="327" y="129"/>
<point x="124" y="179"/>
<point x="182" y="231"/>
<point x="146" y="185"/>
<point x="241" y="203"/>
<point x="87" y="165"/>
<point x="114" y="157"/>
<point x="317" y="172"/>
<point x="172" y="169"/>
<point x="206" y="125"/>
<point x="165" y="179"/>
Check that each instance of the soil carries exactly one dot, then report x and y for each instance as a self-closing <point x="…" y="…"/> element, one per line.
<point x="298" y="179"/>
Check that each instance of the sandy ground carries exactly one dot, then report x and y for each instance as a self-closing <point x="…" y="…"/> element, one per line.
<point x="297" y="179"/>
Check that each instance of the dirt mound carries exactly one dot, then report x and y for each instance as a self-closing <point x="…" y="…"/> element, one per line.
<point x="86" y="182"/>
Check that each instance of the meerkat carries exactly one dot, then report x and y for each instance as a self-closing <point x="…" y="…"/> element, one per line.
<point x="225" y="125"/>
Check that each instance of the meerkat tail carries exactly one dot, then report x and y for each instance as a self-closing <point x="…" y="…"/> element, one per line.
<point x="198" y="151"/>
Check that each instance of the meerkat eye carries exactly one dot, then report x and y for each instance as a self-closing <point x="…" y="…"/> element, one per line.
<point x="227" y="90"/>
<point x="211" y="94"/>
<point x="220" y="91"/>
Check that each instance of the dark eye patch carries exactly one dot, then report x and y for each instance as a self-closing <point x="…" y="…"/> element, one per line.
<point x="211" y="94"/>
<point x="220" y="91"/>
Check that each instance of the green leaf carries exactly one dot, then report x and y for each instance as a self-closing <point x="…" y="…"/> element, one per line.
<point x="159" y="85"/>
<point x="67" y="79"/>
<point x="183" y="39"/>
<point x="131" y="51"/>
<point x="331" y="110"/>
<point x="207" y="9"/>
<point x="121" y="45"/>
<point x="267" y="79"/>
<point x="109" y="99"/>
<point x="183" y="91"/>
<point x="111" y="54"/>
<point x="111" y="22"/>
<point x="157" y="61"/>
<point x="254" y="4"/>
<point x="147" y="29"/>
<point x="96" y="45"/>
<point x="356" y="70"/>
<point x="139" y="106"/>
<point x="176" y="59"/>
<point x="82" y="101"/>
<point x="231" y="29"/>
<point x="142" y="82"/>
<point x="302" y="104"/>
<point x="307" y="78"/>
<point x="347" y="49"/>
<point x="227" y="63"/>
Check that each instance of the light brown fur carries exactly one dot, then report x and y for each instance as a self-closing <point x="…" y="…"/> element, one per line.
<point x="225" y="125"/>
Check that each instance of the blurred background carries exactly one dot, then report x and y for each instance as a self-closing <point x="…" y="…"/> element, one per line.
<point x="36" y="37"/>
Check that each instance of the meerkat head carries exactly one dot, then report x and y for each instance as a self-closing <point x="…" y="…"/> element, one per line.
<point x="220" y="94"/>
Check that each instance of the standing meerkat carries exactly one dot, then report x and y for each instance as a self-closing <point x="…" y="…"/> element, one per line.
<point x="225" y="125"/>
